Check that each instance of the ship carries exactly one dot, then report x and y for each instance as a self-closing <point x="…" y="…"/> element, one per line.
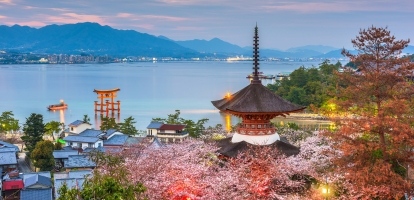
<point x="59" y="106"/>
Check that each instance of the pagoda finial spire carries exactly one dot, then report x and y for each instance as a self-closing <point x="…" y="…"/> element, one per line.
<point x="256" y="79"/>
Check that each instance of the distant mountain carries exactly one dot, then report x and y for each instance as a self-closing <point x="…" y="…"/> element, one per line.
<point x="214" y="45"/>
<point x="164" y="38"/>
<point x="314" y="48"/>
<point x="335" y="54"/>
<point x="89" y="38"/>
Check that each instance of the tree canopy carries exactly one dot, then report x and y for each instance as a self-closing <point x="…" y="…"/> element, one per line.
<point x="42" y="155"/>
<point x="375" y="130"/>
<point x="306" y="86"/>
<point x="112" y="181"/>
<point x="8" y="123"/>
<point x="53" y="127"/>
<point x="108" y="123"/>
<point x="193" y="128"/>
<point x="33" y="131"/>
<point x="127" y="127"/>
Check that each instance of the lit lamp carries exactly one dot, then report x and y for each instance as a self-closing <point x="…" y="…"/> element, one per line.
<point x="326" y="191"/>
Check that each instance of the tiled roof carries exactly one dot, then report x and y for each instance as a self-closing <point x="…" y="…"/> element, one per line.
<point x="90" y="133"/>
<point x="7" y="146"/>
<point x="91" y="149"/>
<point x="8" y="158"/>
<point x="79" y="173"/>
<point x="256" y="98"/>
<point x="37" y="179"/>
<point x="109" y="132"/>
<point x="133" y="140"/>
<point x="74" y="138"/>
<point x="60" y="154"/>
<point x="76" y="123"/>
<point x="156" y="143"/>
<point x="175" y="127"/>
<point x="70" y="183"/>
<point x="77" y="161"/>
<point x="43" y="173"/>
<point x="155" y="125"/>
<point x="36" y="194"/>
<point x="118" y="140"/>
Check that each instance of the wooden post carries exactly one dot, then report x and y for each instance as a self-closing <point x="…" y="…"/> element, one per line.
<point x="102" y="103"/>
<point x="96" y="106"/>
<point x="112" y="102"/>
<point x="119" y="107"/>
<point x="107" y="109"/>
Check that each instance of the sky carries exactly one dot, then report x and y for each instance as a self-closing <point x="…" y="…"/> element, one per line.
<point x="282" y="24"/>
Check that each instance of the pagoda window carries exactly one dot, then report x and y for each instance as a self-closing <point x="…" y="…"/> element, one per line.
<point x="264" y="126"/>
<point x="259" y="126"/>
<point x="253" y="126"/>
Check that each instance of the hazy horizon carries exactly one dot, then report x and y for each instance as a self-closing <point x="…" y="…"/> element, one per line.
<point x="282" y="25"/>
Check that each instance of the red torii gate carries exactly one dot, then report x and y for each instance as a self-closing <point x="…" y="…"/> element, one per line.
<point x="105" y="107"/>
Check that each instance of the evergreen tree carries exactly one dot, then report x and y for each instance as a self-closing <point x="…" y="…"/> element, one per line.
<point x="53" y="127"/>
<point x="8" y="123"/>
<point x="127" y="127"/>
<point x="33" y="131"/>
<point x="108" y="123"/>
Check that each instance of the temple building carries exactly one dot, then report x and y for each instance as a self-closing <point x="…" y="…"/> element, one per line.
<point x="256" y="105"/>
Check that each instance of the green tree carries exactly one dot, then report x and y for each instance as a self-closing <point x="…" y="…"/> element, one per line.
<point x="42" y="155"/>
<point x="8" y="123"/>
<point x="58" y="146"/>
<point x="108" y="123"/>
<point x="33" y="131"/>
<point x="127" y="127"/>
<point x="86" y="119"/>
<point x="113" y="184"/>
<point x="194" y="129"/>
<point x="53" y="127"/>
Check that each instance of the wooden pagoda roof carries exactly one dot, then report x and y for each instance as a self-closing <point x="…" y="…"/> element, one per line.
<point x="256" y="98"/>
<point x="107" y="91"/>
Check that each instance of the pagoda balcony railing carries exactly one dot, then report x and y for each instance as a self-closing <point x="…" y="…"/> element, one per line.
<point x="255" y="131"/>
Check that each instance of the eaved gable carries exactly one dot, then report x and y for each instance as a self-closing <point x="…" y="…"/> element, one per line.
<point x="78" y="126"/>
<point x="167" y="132"/>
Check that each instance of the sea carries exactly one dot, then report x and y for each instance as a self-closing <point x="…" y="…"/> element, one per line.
<point x="147" y="89"/>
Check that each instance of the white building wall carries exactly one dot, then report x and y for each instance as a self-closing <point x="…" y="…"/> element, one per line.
<point x="152" y="131"/>
<point x="80" y="128"/>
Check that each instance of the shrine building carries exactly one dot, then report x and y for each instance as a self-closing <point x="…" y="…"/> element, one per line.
<point x="256" y="105"/>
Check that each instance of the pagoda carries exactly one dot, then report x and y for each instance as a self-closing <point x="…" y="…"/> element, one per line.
<point x="256" y="105"/>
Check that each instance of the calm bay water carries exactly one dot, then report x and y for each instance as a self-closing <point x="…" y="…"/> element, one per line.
<point x="148" y="90"/>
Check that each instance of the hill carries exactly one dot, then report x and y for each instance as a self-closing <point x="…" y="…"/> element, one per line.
<point x="214" y="45"/>
<point x="315" y="48"/>
<point x="89" y="38"/>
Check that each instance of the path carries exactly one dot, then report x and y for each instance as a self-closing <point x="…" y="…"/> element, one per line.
<point x="22" y="165"/>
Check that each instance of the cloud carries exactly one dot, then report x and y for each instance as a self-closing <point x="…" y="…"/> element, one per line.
<point x="332" y="6"/>
<point x="71" y="18"/>
<point x="2" y="17"/>
<point x="7" y="2"/>
<point x="144" y="26"/>
<point x="188" y="28"/>
<point x="28" y="23"/>
<point x="151" y="17"/>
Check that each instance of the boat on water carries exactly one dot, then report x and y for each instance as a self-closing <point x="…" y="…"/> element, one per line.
<point x="59" y="106"/>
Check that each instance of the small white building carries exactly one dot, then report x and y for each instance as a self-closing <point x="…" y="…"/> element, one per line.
<point x="167" y="132"/>
<point x="78" y="126"/>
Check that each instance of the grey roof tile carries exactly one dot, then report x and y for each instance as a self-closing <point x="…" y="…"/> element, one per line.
<point x="8" y="158"/>
<point x="133" y="141"/>
<point x="109" y="132"/>
<point x="90" y="133"/>
<point x="74" y="138"/>
<point x="76" y="161"/>
<point x="60" y="154"/>
<point x="36" y="194"/>
<point x="118" y="140"/>
<point x="79" y="173"/>
<point x="37" y="179"/>
<point x="76" y="123"/>
<point x="155" y="125"/>
<point x="7" y="145"/>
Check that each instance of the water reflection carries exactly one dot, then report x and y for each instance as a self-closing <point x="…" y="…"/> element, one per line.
<point x="62" y="116"/>
<point x="229" y="120"/>
<point x="98" y="119"/>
